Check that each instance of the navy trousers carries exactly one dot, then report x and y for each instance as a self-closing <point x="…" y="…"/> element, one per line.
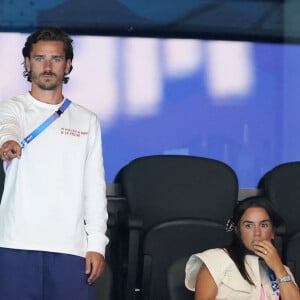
<point x="39" y="275"/>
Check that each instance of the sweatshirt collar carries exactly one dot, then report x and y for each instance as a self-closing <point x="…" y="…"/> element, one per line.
<point x="43" y="104"/>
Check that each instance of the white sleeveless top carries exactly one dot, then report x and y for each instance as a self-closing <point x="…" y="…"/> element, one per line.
<point x="231" y="284"/>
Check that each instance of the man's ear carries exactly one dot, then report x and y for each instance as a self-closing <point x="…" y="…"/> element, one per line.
<point x="68" y="67"/>
<point x="27" y="64"/>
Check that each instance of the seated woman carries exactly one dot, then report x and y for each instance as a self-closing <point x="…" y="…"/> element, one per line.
<point x="250" y="267"/>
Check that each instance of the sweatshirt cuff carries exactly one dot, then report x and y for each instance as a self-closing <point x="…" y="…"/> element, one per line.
<point x="97" y="244"/>
<point x="7" y="138"/>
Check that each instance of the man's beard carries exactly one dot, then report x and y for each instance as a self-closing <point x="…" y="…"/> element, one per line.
<point x="46" y="86"/>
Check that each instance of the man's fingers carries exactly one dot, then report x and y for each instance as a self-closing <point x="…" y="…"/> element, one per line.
<point x="95" y="265"/>
<point x="10" y="150"/>
<point x="5" y="155"/>
<point x="87" y="266"/>
<point x="95" y="272"/>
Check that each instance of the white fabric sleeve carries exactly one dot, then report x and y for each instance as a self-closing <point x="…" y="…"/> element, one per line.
<point x="10" y="119"/>
<point x="95" y="192"/>
<point x="216" y="260"/>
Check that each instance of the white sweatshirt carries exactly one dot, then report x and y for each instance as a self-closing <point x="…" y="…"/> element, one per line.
<point x="54" y="195"/>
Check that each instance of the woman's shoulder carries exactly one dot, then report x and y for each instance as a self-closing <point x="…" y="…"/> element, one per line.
<point x="216" y="252"/>
<point x="217" y="260"/>
<point x="216" y="256"/>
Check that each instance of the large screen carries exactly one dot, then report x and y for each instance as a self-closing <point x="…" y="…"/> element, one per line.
<point x="237" y="102"/>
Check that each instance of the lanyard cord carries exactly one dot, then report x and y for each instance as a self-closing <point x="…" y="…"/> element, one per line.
<point x="46" y="123"/>
<point x="274" y="283"/>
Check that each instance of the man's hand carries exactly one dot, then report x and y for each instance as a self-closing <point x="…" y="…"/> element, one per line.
<point x="94" y="265"/>
<point x="10" y="150"/>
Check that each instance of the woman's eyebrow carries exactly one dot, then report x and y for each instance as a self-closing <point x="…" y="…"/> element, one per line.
<point x="248" y="221"/>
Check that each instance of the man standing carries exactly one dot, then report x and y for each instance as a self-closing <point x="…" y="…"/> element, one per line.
<point x="53" y="210"/>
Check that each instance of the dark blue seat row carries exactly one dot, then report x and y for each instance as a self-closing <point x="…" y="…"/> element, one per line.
<point x="177" y="205"/>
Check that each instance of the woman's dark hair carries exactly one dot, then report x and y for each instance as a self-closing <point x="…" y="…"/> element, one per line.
<point x="48" y="34"/>
<point x="237" y="249"/>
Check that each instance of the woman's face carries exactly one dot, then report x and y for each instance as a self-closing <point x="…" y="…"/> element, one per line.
<point x="255" y="225"/>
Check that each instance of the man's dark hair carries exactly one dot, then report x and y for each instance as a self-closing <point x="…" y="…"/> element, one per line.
<point x="48" y="34"/>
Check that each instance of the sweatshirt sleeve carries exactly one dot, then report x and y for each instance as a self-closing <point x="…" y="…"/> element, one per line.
<point x="95" y="192"/>
<point x="10" y="120"/>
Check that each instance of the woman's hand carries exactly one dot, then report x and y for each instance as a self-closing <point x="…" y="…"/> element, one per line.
<point x="267" y="251"/>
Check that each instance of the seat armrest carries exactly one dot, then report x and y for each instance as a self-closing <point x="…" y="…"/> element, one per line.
<point x="135" y="222"/>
